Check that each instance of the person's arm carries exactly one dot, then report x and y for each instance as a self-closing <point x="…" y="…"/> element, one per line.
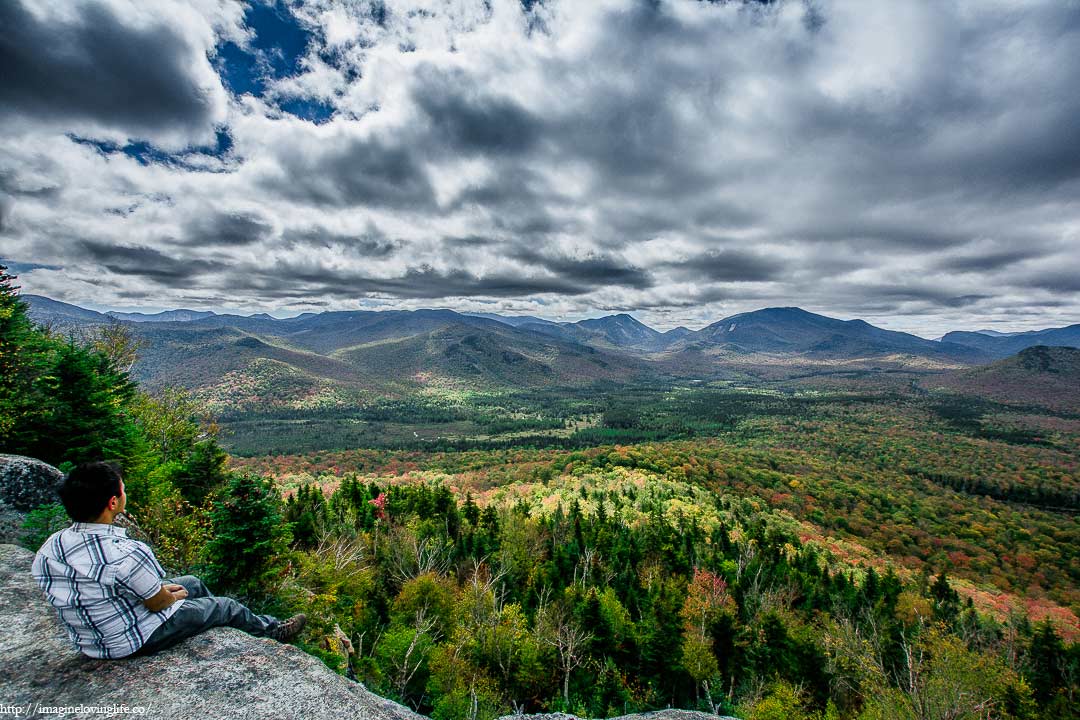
<point x="166" y="596"/>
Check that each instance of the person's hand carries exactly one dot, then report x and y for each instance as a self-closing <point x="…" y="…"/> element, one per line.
<point x="178" y="591"/>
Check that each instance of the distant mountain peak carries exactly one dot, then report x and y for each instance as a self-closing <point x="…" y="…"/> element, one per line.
<point x="1006" y="344"/>
<point x="621" y="330"/>
<point x="1041" y="358"/>
<point x="619" y="319"/>
<point x="180" y="315"/>
<point x="792" y="330"/>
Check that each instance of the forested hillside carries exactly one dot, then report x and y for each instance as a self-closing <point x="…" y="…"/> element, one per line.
<point x="1039" y="375"/>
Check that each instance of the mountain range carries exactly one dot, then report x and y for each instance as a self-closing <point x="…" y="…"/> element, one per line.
<point x="341" y="356"/>
<point x="1000" y="345"/>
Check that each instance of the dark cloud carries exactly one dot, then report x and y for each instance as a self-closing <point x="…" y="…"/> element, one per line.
<point x="6" y="206"/>
<point x="416" y="283"/>
<point x="353" y="172"/>
<point x="95" y="67"/>
<point x="474" y="122"/>
<point x="148" y="263"/>
<point x="988" y="261"/>
<point x="11" y="184"/>
<point x="1059" y="281"/>
<point x="469" y="241"/>
<point x="629" y="126"/>
<point x="372" y="243"/>
<point x="700" y="295"/>
<point x="726" y="215"/>
<point x="940" y="296"/>
<point x="729" y="265"/>
<point x="593" y="270"/>
<point x="959" y="301"/>
<point x="887" y="235"/>
<point x="227" y="229"/>
<point x="18" y="268"/>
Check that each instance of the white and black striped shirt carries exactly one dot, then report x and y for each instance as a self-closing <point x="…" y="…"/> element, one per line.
<point x="97" y="578"/>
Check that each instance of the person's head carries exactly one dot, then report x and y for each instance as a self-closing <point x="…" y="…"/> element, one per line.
<point x="91" y="489"/>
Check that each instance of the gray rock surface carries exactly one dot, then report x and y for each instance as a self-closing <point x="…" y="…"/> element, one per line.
<point x="26" y="483"/>
<point x="11" y="524"/>
<point x="223" y="673"/>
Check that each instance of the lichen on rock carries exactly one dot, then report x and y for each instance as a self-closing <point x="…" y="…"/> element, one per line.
<point x="26" y="483"/>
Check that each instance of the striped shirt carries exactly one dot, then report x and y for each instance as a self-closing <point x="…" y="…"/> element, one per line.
<point x="97" y="578"/>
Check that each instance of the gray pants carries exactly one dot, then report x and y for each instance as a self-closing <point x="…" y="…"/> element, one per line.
<point x="201" y="611"/>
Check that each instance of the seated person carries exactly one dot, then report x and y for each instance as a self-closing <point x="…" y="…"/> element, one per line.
<point x="111" y="592"/>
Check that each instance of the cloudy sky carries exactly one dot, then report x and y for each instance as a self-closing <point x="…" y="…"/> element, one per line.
<point x="916" y="164"/>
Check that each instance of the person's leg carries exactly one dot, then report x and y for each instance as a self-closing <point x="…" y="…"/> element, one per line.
<point x="198" y="615"/>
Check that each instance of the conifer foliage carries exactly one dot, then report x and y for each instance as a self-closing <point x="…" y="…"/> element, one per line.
<point x="249" y="536"/>
<point x="59" y="401"/>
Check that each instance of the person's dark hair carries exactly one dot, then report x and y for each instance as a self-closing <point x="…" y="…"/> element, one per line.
<point x="88" y="488"/>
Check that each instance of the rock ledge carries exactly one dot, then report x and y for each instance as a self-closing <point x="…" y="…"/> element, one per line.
<point x="223" y="673"/>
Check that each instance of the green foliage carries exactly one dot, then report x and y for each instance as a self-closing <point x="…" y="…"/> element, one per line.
<point x="59" y="401"/>
<point x="461" y="691"/>
<point x="201" y="472"/>
<point x="783" y="701"/>
<point x="177" y="530"/>
<point x="41" y="522"/>
<point x="611" y="589"/>
<point x="67" y="402"/>
<point x="167" y="420"/>
<point x="944" y="679"/>
<point x="24" y="363"/>
<point x="247" y="548"/>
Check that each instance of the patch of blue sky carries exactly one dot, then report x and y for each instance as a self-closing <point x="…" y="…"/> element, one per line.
<point x="146" y="153"/>
<point x="278" y="45"/>
<point x="280" y="42"/>
<point x="21" y="268"/>
<point x="317" y="111"/>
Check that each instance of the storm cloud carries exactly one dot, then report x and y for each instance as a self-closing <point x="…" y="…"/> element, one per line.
<point x="146" y="262"/>
<point x="914" y="164"/>
<point x="139" y="76"/>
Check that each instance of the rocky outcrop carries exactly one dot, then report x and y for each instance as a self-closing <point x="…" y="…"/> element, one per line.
<point x="223" y="673"/>
<point x="26" y="483"/>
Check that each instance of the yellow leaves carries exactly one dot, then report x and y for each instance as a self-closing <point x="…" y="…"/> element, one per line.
<point x="698" y="657"/>
<point x="912" y="607"/>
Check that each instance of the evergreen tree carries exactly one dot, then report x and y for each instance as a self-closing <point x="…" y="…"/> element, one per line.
<point x="85" y="417"/>
<point x="202" y="471"/>
<point x="250" y="537"/>
<point x="1044" y="662"/>
<point x="23" y="364"/>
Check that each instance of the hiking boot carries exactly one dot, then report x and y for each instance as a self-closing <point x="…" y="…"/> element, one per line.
<point x="286" y="630"/>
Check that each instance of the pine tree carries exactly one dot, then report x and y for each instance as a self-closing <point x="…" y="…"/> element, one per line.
<point x="86" y="405"/>
<point x="23" y="363"/>
<point x="250" y="536"/>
